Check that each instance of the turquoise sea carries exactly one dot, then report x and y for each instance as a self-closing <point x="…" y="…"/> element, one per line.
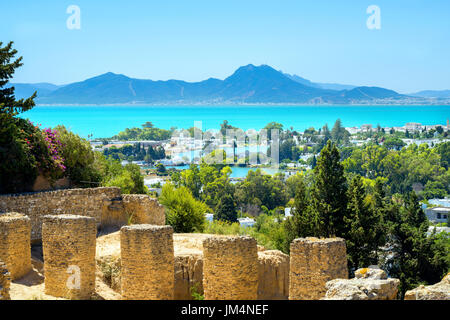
<point x="106" y="121"/>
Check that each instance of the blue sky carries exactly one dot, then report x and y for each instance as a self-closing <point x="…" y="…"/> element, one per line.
<point x="323" y="41"/>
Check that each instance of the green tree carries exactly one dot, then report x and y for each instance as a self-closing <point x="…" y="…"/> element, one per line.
<point x="329" y="193"/>
<point x="303" y="222"/>
<point x="19" y="160"/>
<point x="364" y="225"/>
<point x="226" y="209"/>
<point x="160" y="168"/>
<point x="338" y="134"/>
<point x="416" y="258"/>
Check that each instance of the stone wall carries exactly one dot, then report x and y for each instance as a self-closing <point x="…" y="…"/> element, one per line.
<point x="230" y="268"/>
<point x="5" y="282"/>
<point x="314" y="262"/>
<point x="147" y="262"/>
<point x="15" y="248"/>
<point x="68" y="243"/>
<point x="106" y="205"/>
<point x="143" y="210"/>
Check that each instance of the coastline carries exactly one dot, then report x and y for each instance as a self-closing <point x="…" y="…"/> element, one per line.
<point x="243" y="105"/>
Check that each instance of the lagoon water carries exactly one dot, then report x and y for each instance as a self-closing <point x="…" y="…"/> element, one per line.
<point x="106" y="121"/>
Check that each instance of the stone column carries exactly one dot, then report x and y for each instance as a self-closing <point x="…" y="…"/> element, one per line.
<point x="230" y="268"/>
<point x="313" y="262"/>
<point x="68" y="243"/>
<point x="147" y="262"/>
<point x="15" y="237"/>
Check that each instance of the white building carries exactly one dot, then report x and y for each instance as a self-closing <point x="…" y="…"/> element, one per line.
<point x="440" y="202"/>
<point x="287" y="212"/>
<point x="413" y="126"/>
<point x="246" y="222"/>
<point x="437" y="214"/>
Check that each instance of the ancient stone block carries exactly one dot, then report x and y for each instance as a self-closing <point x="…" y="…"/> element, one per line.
<point x="68" y="243"/>
<point x="230" y="268"/>
<point x="273" y="277"/>
<point x="438" y="291"/>
<point x="5" y="281"/>
<point x="314" y="262"/>
<point x="368" y="284"/>
<point x="147" y="262"/>
<point x="15" y="250"/>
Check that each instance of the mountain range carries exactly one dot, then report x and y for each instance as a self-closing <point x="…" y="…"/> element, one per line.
<point x="247" y="85"/>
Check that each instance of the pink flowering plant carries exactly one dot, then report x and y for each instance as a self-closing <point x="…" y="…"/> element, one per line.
<point x="47" y="149"/>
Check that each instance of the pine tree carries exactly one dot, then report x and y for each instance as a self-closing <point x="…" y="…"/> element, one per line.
<point x="303" y="222"/>
<point x="8" y="104"/>
<point x="363" y="224"/>
<point x="329" y="193"/>
<point x="414" y="212"/>
<point x="226" y="209"/>
<point x="18" y="167"/>
<point x="416" y="258"/>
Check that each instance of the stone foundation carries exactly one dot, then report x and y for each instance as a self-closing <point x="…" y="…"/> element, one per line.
<point x="230" y="270"/>
<point x="147" y="262"/>
<point x="68" y="243"/>
<point x="5" y="281"/>
<point x="15" y="250"/>
<point x="314" y="262"/>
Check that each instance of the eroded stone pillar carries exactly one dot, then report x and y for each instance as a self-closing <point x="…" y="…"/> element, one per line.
<point x="230" y="268"/>
<point x="68" y="243"/>
<point x="147" y="262"/>
<point x="15" y="237"/>
<point x="313" y="262"/>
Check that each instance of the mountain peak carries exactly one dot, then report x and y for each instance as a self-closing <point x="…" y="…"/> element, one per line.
<point x="110" y="75"/>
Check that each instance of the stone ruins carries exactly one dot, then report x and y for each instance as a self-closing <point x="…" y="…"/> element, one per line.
<point x="438" y="291"/>
<point x="106" y="205"/>
<point x="82" y="259"/>
<point x="15" y="250"/>
<point x="368" y="284"/>
<point x="313" y="263"/>
<point x="230" y="268"/>
<point x="147" y="262"/>
<point x="68" y="243"/>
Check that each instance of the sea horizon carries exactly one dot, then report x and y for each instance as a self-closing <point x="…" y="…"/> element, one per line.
<point x="105" y="121"/>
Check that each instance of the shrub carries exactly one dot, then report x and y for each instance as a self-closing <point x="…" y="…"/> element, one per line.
<point x="183" y="212"/>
